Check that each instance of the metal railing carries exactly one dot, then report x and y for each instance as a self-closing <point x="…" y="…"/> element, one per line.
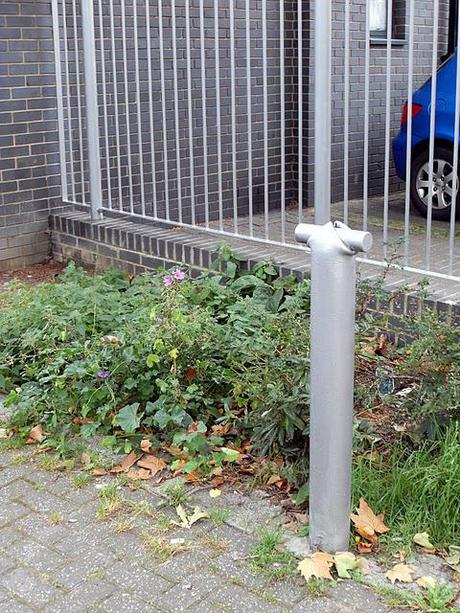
<point x="210" y="114"/>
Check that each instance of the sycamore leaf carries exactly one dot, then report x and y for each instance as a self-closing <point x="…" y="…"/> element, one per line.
<point x="36" y="435"/>
<point x="427" y="582"/>
<point x="99" y="472"/>
<point x="152" y="463"/>
<point x="344" y="562"/>
<point x="423" y="540"/>
<point x="400" y="572"/>
<point x="367" y="524"/>
<point x="187" y="521"/>
<point x="317" y="565"/>
<point x="142" y="473"/>
<point x="146" y="445"/>
<point x="126" y="463"/>
<point x="230" y="455"/>
<point x="453" y="558"/>
<point x="215" y="493"/>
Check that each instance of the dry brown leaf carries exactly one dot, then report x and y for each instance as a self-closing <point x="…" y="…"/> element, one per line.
<point x="3" y="433"/>
<point x="36" y="435"/>
<point x="142" y="473"/>
<point x="85" y="459"/>
<point x="400" y="572"/>
<point x="426" y="582"/>
<point x="367" y="524"/>
<point x="146" y="445"/>
<point x="109" y="340"/>
<point x="219" y="430"/>
<point x="364" y="547"/>
<point x="193" y="477"/>
<point x="317" y="565"/>
<point x="152" y="463"/>
<point x="126" y="463"/>
<point x="99" y="472"/>
<point x="217" y="481"/>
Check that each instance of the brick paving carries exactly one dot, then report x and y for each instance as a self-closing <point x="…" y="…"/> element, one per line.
<point x="57" y="555"/>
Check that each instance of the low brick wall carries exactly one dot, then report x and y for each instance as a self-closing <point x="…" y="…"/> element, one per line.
<point x="136" y="248"/>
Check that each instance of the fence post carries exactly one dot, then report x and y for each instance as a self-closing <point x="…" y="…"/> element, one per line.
<point x="323" y="110"/>
<point x="92" y="110"/>
<point x="333" y="300"/>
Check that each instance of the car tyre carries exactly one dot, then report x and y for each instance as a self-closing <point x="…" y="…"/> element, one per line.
<point x="443" y="190"/>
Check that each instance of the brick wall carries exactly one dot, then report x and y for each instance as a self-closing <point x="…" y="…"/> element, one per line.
<point x="29" y="181"/>
<point x="423" y="41"/>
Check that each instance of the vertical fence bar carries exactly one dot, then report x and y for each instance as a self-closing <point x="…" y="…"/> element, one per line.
<point x="128" y="122"/>
<point x="115" y="104"/>
<point x="163" y="106"/>
<point x="59" y="96"/>
<point x="79" y="113"/>
<point x="176" y="108"/>
<point x="366" y="117"/>
<point x="249" y="114"/>
<point x="92" y="109"/>
<point x="300" y="103"/>
<point x="346" y="112"/>
<point x="233" y="112"/>
<point x="104" y="104"/>
<point x="218" y="111"/>
<point x="204" y="114"/>
<point x="151" y="116"/>
<point x="283" y="120"/>
<point x="323" y="32"/>
<point x="265" y="115"/>
<point x="386" y="188"/>
<point x="455" y="182"/>
<point x="138" y="105"/>
<point x="68" y="101"/>
<point x="190" y="110"/>
<point x="434" y="87"/>
<point x="410" y="85"/>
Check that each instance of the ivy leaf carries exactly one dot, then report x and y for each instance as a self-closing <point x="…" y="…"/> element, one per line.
<point x="128" y="418"/>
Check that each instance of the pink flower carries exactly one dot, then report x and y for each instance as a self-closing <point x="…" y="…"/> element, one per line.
<point x="168" y="281"/>
<point x="179" y="275"/>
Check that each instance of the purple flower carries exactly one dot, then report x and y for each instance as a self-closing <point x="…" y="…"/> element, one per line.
<point x="179" y="275"/>
<point x="103" y="374"/>
<point x="168" y="281"/>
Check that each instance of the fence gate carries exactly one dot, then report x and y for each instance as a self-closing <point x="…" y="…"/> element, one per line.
<point x="246" y="117"/>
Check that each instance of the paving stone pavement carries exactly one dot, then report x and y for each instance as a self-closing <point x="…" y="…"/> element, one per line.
<point x="57" y="555"/>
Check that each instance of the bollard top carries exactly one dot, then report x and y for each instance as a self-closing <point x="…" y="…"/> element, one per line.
<point x="355" y="241"/>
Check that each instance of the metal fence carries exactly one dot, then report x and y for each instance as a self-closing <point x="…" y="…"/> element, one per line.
<point x="245" y="117"/>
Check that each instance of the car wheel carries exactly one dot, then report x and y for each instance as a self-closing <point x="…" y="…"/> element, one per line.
<point x="441" y="176"/>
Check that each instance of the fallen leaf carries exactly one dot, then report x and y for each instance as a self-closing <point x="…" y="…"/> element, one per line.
<point x="364" y="547"/>
<point x="187" y="521"/>
<point x="345" y="562"/>
<point x="215" y="493"/>
<point x="152" y="463"/>
<point x="3" y="433"/>
<point x="146" y="445"/>
<point x="427" y="582"/>
<point x="423" y="540"/>
<point x="110" y="340"/>
<point x="220" y="430"/>
<point x="85" y="459"/>
<point x="453" y="558"/>
<point x="36" y="435"/>
<point x="126" y="463"/>
<point x="193" y="477"/>
<point x="99" y="472"/>
<point x="190" y="374"/>
<point x="142" y="473"/>
<point x="400" y="572"/>
<point x="317" y="565"/>
<point x="367" y="524"/>
<point x="217" y="481"/>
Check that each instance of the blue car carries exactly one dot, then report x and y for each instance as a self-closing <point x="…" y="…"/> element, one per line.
<point x="442" y="172"/>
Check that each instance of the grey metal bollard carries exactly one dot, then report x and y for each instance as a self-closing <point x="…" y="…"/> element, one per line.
<point x="333" y="301"/>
